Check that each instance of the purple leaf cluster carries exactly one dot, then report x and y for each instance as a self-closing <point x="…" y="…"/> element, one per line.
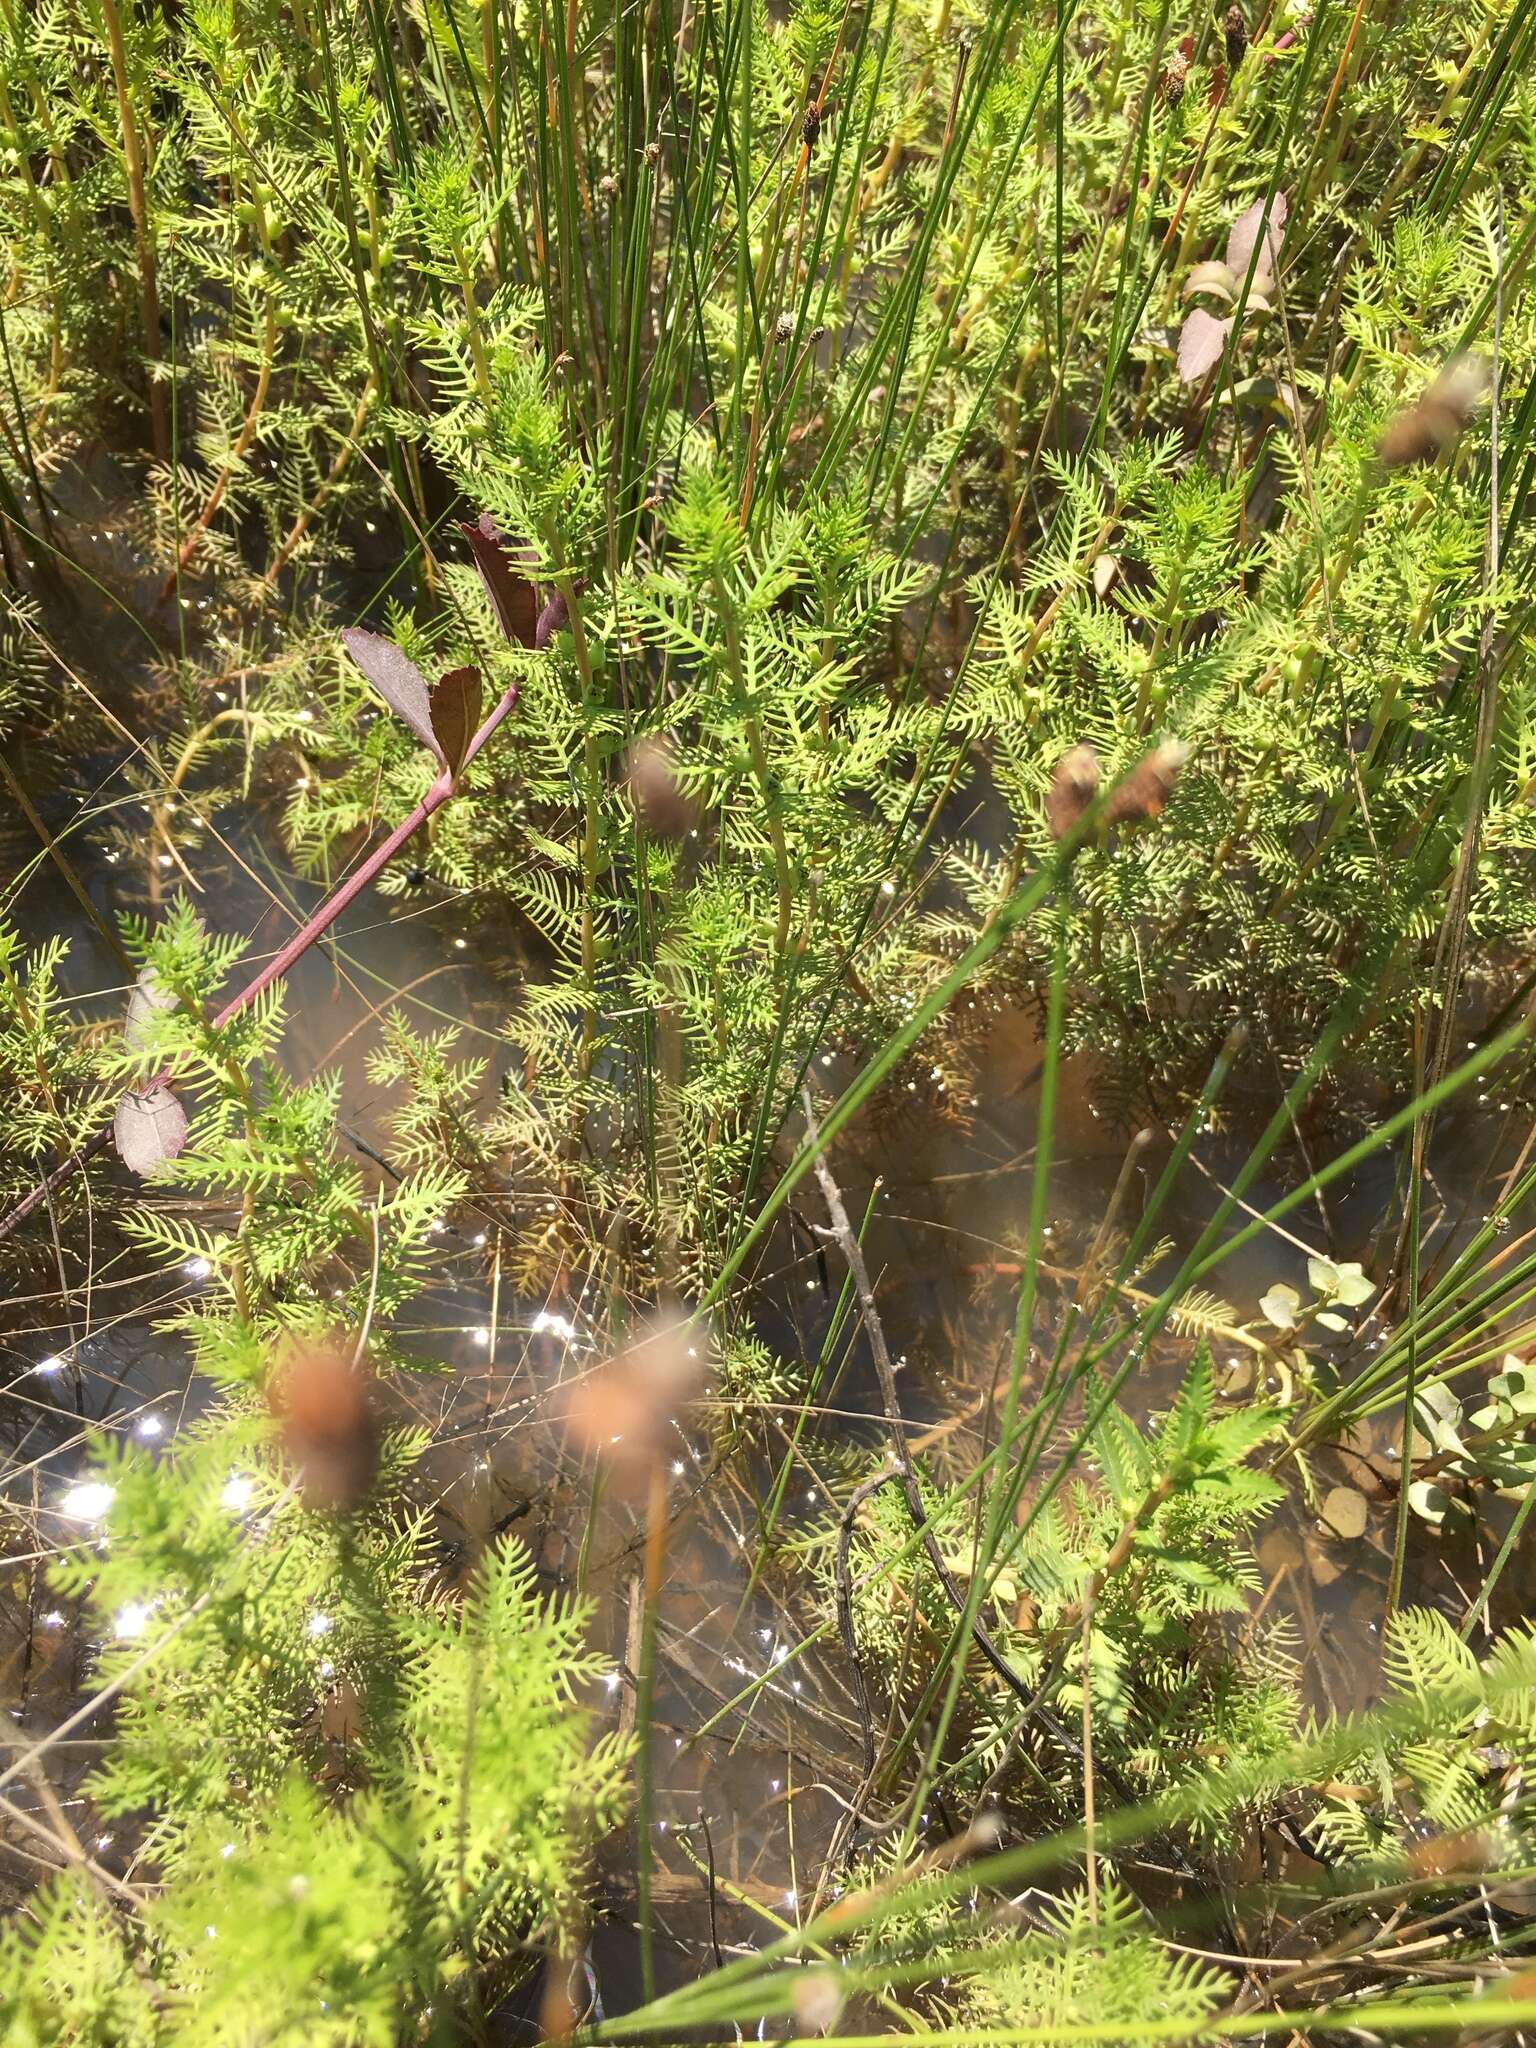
<point x="1203" y="337"/>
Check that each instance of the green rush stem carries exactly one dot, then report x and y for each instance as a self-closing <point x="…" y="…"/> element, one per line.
<point x="757" y="745"/>
<point x="645" y="1685"/>
<point x="134" y="155"/>
<point x="1410" y="1389"/>
<point x="1506" y="1550"/>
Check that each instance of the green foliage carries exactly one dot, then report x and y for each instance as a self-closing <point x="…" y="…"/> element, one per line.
<point x="52" y="1099"/>
<point x="469" y="1792"/>
<point x="827" y="365"/>
<point x="1094" y="1963"/>
<point x="785" y="405"/>
<point x="359" y="1788"/>
<point x="1157" y="1544"/>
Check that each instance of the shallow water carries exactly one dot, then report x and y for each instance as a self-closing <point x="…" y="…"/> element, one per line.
<point x="759" y="1794"/>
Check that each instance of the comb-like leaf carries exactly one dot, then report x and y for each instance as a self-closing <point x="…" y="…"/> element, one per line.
<point x="398" y="681"/>
<point x="456" y="714"/>
<point x="150" y="995"/>
<point x="1245" y="233"/>
<point x="1201" y="341"/>
<point x="514" y="599"/>
<point x="150" y="1130"/>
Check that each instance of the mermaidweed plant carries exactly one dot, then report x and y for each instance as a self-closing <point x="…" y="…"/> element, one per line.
<point x="1119" y="1585"/>
<point x="1128" y="1580"/>
<point x="349" y="1883"/>
<point x="910" y="283"/>
<point x="1089" y="1966"/>
<point x="829" y="367"/>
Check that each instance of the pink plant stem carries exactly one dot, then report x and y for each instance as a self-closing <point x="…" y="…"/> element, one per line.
<point x="285" y="957"/>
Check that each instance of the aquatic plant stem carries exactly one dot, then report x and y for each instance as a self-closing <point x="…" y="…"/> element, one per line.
<point x="143" y="231"/>
<point x="758" y="749"/>
<point x="237" y="455"/>
<point x="285" y="957"/>
<point x="333" y="477"/>
<point x="645" y="1688"/>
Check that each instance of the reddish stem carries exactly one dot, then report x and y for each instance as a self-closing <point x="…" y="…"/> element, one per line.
<point x="285" y="957"/>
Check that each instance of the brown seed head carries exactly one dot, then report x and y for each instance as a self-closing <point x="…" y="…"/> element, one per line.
<point x="320" y="1399"/>
<point x="1235" y="34"/>
<point x="1423" y="431"/>
<point x="659" y="800"/>
<point x="1073" y="788"/>
<point x="1462" y="1853"/>
<point x="1149" y="785"/>
<point x="818" y="1999"/>
<point x="558" y="2016"/>
<point x="1177" y="74"/>
<point x="623" y="1411"/>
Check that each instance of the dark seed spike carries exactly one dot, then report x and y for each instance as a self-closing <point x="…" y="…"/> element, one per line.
<point x="1235" y="29"/>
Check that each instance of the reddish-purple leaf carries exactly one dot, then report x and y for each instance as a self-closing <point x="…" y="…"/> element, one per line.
<point x="150" y="1130"/>
<point x="397" y="679"/>
<point x="551" y="621"/>
<point x="1245" y="234"/>
<point x="456" y="714"/>
<point x="514" y="599"/>
<point x="1201" y="341"/>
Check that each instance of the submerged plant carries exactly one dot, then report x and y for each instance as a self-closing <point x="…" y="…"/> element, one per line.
<point x="973" y="527"/>
<point x="359" y="1790"/>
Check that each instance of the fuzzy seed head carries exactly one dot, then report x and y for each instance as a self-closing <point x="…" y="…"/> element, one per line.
<point x="1146" y="790"/>
<point x="623" y="1411"/>
<point x="320" y="1400"/>
<point x="660" y="803"/>
<point x="1425" y="430"/>
<point x="1073" y="788"/>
